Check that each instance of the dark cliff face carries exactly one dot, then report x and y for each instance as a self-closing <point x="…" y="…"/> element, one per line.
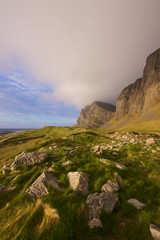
<point x="144" y="93"/>
<point x="95" y="115"/>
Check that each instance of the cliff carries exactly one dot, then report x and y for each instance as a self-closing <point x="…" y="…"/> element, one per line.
<point x="95" y="115"/>
<point x="144" y="93"/>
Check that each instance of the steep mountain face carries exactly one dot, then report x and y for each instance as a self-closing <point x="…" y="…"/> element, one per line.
<point x="144" y="93"/>
<point x="95" y="115"/>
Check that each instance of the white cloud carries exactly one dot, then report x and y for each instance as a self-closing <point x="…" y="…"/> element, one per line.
<point x="85" y="50"/>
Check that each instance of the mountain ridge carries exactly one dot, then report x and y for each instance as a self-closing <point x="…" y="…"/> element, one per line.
<point x="137" y="98"/>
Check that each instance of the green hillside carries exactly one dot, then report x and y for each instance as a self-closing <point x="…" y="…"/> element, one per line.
<point x="64" y="215"/>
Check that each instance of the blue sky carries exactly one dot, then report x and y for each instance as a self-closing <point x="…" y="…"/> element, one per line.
<point x="23" y="105"/>
<point x="58" y="56"/>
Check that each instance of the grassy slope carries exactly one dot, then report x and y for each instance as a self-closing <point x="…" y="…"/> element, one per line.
<point x="140" y="122"/>
<point x="20" y="218"/>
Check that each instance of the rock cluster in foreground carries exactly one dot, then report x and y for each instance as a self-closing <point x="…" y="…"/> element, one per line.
<point x="38" y="188"/>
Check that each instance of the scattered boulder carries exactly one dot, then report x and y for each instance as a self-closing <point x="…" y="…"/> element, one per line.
<point x="154" y="151"/>
<point x="67" y="148"/>
<point x="115" y="153"/>
<point x="150" y="141"/>
<point x="53" y="147"/>
<point x="155" y="231"/>
<point x="51" y="168"/>
<point x="110" y="187"/>
<point x="96" y="148"/>
<point x="64" y="138"/>
<point x="96" y="203"/>
<point x="38" y="187"/>
<point x="132" y="140"/>
<point x="6" y="169"/>
<point x="43" y="150"/>
<point x="65" y="164"/>
<point x="29" y="158"/>
<point x="6" y="188"/>
<point x="136" y="203"/>
<point x="78" y="182"/>
<point x="106" y="161"/>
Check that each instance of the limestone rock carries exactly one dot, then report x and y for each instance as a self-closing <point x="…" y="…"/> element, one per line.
<point x="110" y="186"/>
<point x="106" y="161"/>
<point x="155" y="231"/>
<point x="95" y="222"/>
<point x="95" y="115"/>
<point x="78" y="182"/>
<point x="136" y="203"/>
<point x="100" y="201"/>
<point x="150" y="141"/>
<point x="29" y="158"/>
<point x="65" y="164"/>
<point x="6" y="169"/>
<point x="38" y="187"/>
<point x="118" y="179"/>
<point x="6" y="188"/>
<point x="96" y="148"/>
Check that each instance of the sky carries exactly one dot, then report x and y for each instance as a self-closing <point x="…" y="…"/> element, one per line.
<point x="58" y="56"/>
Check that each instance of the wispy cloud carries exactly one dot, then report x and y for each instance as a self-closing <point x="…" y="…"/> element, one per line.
<point x="85" y="50"/>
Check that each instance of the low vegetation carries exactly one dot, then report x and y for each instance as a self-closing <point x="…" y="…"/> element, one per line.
<point x="64" y="215"/>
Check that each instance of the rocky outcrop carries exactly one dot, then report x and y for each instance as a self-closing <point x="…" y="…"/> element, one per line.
<point x="78" y="182"/>
<point x="29" y="158"/>
<point x="38" y="188"/>
<point x="144" y="93"/>
<point x="95" y="115"/>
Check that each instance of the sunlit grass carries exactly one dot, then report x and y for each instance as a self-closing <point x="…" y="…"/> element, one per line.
<point x="64" y="215"/>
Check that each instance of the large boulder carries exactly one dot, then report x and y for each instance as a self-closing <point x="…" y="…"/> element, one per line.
<point x="96" y="203"/>
<point x="78" y="182"/>
<point x="38" y="187"/>
<point x="29" y="158"/>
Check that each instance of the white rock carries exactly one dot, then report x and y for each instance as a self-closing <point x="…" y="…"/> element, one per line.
<point x="106" y="161"/>
<point x="136" y="203"/>
<point x="96" y="148"/>
<point x="150" y="141"/>
<point x="154" y="151"/>
<point x="78" y="182"/>
<point x="66" y="163"/>
<point x="155" y="231"/>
